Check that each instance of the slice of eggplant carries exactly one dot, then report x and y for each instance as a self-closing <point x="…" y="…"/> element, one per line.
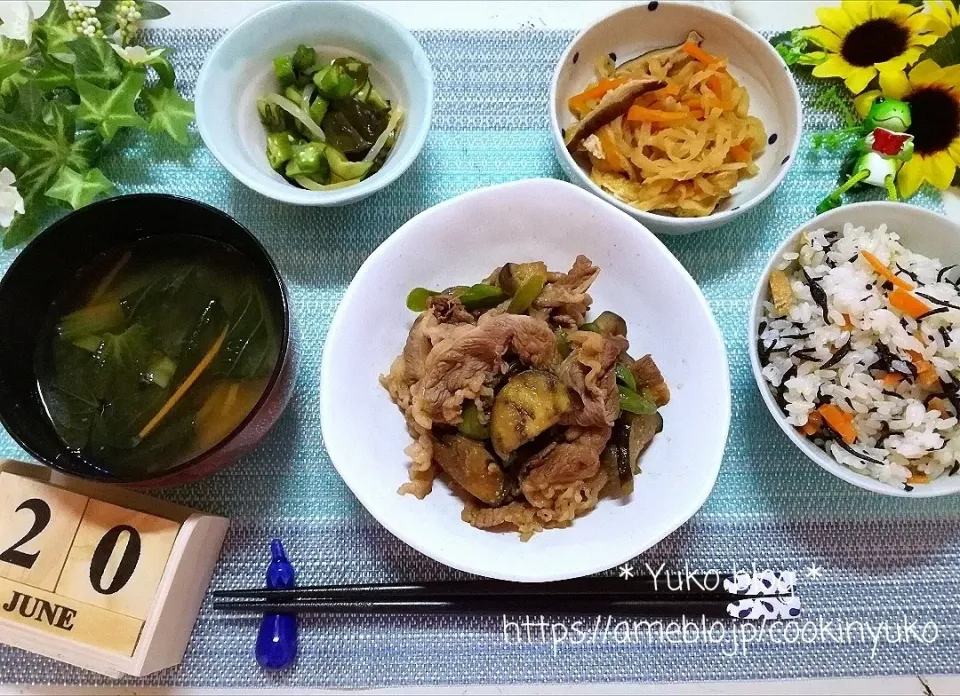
<point x="472" y="466"/>
<point x="642" y="431"/>
<point x="614" y="103"/>
<point x="640" y="65"/>
<point x="529" y="404"/>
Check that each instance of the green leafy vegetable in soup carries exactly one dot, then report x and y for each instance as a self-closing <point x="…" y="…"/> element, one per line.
<point x="157" y="352"/>
<point x="327" y="125"/>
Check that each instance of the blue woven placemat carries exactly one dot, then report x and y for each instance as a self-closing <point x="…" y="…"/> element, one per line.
<point x="888" y="599"/>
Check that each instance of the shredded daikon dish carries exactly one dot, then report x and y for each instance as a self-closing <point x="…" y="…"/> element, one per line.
<point x="678" y="148"/>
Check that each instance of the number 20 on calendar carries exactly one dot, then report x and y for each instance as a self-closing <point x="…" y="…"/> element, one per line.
<point x="74" y="565"/>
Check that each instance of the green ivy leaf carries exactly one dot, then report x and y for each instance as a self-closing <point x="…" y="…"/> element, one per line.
<point x="169" y="113"/>
<point x="111" y="110"/>
<point x="55" y="28"/>
<point x="96" y="62"/>
<point x="107" y="14"/>
<point x="153" y="10"/>
<point x="21" y="229"/>
<point x="53" y="75"/>
<point x="946" y="51"/>
<point x="47" y="144"/>
<point x="79" y="189"/>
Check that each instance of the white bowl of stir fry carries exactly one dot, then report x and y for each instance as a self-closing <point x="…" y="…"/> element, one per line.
<point x="677" y="114"/>
<point x="483" y="418"/>
<point x="316" y="103"/>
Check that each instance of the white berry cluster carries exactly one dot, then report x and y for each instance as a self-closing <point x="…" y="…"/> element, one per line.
<point x="84" y="19"/>
<point x="128" y="20"/>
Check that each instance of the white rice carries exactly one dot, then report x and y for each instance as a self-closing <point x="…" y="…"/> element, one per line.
<point x="901" y="440"/>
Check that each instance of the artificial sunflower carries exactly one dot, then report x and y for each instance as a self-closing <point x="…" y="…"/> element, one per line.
<point x="934" y="97"/>
<point x="944" y="16"/>
<point x="862" y="38"/>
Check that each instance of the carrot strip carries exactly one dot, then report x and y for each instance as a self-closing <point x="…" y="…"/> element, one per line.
<point x="926" y="372"/>
<point x="891" y="379"/>
<point x="110" y="277"/>
<point x="595" y="92"/>
<point x="813" y="424"/>
<point x="840" y="422"/>
<point x="918" y="478"/>
<point x="671" y="90"/>
<point x="642" y="113"/>
<point x="740" y="153"/>
<point x="939" y="404"/>
<point x="907" y="303"/>
<point x="187" y="383"/>
<point x="885" y="272"/>
<point x="697" y="53"/>
<point x="713" y="82"/>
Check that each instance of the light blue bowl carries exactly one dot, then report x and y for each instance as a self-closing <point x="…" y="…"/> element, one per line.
<point x="240" y="68"/>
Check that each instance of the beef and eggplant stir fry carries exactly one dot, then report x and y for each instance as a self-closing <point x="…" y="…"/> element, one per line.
<point x="529" y="410"/>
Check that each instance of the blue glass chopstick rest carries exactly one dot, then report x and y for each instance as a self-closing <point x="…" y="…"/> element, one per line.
<point x="277" y="640"/>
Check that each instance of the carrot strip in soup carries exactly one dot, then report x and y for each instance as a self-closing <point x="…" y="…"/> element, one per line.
<point x="908" y="304"/>
<point x="840" y="422"/>
<point x="187" y="383"/>
<point x="883" y="271"/>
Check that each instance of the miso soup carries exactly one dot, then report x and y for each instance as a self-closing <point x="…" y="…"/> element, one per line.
<point x="156" y="352"/>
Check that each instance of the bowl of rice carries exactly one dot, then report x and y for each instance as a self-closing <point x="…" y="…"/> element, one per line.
<point x="855" y="346"/>
<point x="679" y="115"/>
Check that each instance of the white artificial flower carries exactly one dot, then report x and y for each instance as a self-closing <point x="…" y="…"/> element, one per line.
<point x="11" y="202"/>
<point x="136" y="54"/>
<point x="17" y="20"/>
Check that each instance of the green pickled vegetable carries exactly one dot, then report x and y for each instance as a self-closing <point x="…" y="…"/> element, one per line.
<point x="304" y="58"/>
<point x="273" y="117"/>
<point x="626" y="378"/>
<point x="279" y="149"/>
<point x="641" y="404"/>
<point x="319" y="109"/>
<point x="343" y="167"/>
<point x="418" y="298"/>
<point x="590" y="326"/>
<point x="527" y="293"/>
<point x="471" y="426"/>
<point x="283" y="69"/>
<point x="334" y="105"/>
<point x="293" y="94"/>
<point x="482" y="296"/>
<point x="307" y="159"/>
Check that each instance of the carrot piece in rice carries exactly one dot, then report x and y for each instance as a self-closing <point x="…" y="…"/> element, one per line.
<point x="885" y="272"/>
<point x="926" y="372"/>
<point x="840" y="422"/>
<point x="813" y="424"/>
<point x="908" y="304"/>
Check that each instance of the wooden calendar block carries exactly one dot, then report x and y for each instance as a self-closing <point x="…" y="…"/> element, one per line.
<point x="124" y="604"/>
<point x="37" y="525"/>
<point x="117" y="559"/>
<point x="58" y="616"/>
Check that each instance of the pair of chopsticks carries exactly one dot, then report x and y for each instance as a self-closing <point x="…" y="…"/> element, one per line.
<point x="734" y="596"/>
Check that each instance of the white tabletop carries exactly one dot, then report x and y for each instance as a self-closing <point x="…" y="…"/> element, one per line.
<point x="544" y="14"/>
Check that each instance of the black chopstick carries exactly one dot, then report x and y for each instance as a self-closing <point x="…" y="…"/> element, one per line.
<point x="783" y="607"/>
<point x="707" y="587"/>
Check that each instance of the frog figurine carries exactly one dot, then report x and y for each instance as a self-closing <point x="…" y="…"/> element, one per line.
<point x="878" y="154"/>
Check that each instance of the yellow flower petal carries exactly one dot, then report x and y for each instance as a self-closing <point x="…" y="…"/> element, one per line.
<point x="901" y="11"/>
<point x="943" y="16"/>
<point x="954" y="150"/>
<point x="863" y="102"/>
<point x="836" y="20"/>
<point x="939" y="169"/>
<point x="824" y="37"/>
<point x="858" y="10"/>
<point x="924" y="73"/>
<point x="859" y="78"/>
<point x="833" y="66"/>
<point x="894" y="83"/>
<point x="910" y="176"/>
